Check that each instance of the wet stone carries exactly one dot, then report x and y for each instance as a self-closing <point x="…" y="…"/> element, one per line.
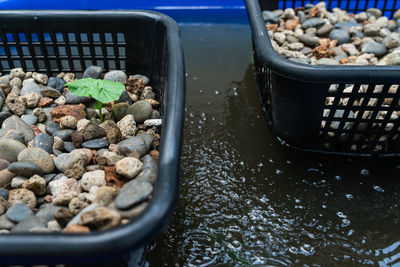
<point x="50" y="92"/>
<point x="4" y="164"/>
<point x="308" y="40"/>
<point x="69" y="146"/>
<point x="9" y="149"/>
<point x="342" y="36"/>
<point x="56" y="83"/>
<point x="65" y="134"/>
<point x="314" y="22"/>
<point x="3" y="116"/>
<point x="74" y="99"/>
<point x="30" y="87"/>
<point x="26" y="169"/>
<point x="44" y="141"/>
<point x="29" y="224"/>
<point x="132" y="193"/>
<point x="93" y="72"/>
<point x="52" y="128"/>
<point x="29" y="119"/>
<point x="270" y="16"/>
<point x="95" y="144"/>
<point x="374" y="48"/>
<point x="19" y="212"/>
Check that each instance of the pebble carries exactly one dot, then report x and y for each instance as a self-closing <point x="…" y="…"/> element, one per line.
<point x="63" y="216"/>
<point x="5" y="223"/>
<point x="392" y="41"/>
<point x="325" y="29"/>
<point x="47" y="211"/>
<point x="69" y="146"/>
<point x="4" y="164"/>
<point x="119" y="110"/>
<point x="106" y="195"/>
<point x="69" y="77"/>
<point x="153" y="122"/>
<point x="136" y="143"/>
<point x="16" y="104"/>
<point x="26" y="169"/>
<point x="77" y="111"/>
<point x="9" y="149"/>
<point x="3" y="205"/>
<point x="375" y="12"/>
<point x="313" y="22"/>
<point x="147" y="93"/>
<point x="132" y="193"/>
<point x="95" y="144"/>
<point x="49" y="92"/>
<point x="374" y="48"/>
<point x="29" y="119"/>
<point x="100" y="218"/>
<point x="32" y="99"/>
<point x="40" y="114"/>
<point x="94" y="178"/>
<point x="36" y="184"/>
<point x="141" y="111"/>
<point x="18" y="181"/>
<point x="29" y="225"/>
<point x="393" y="59"/>
<point x="270" y="16"/>
<point x="29" y="88"/>
<point x="77" y="218"/>
<point x="76" y="205"/>
<point x="65" y="134"/>
<point x="6" y="177"/>
<point x="133" y="212"/>
<point x="16" y="123"/>
<point x="341" y="36"/>
<point x="38" y="156"/>
<point x="116" y="76"/>
<point x="17" y="73"/>
<point x="19" y="212"/>
<point x="93" y="72"/>
<point x="40" y="78"/>
<point x="64" y="190"/>
<point x="56" y="83"/>
<point x="125" y="97"/>
<point x="74" y="99"/>
<point x="129" y="167"/>
<point x="127" y="126"/>
<point x="44" y="141"/>
<point x="21" y="195"/>
<point x="308" y="40"/>
<point x="327" y="61"/>
<point x="93" y="131"/>
<point x="82" y="124"/>
<point x="65" y="161"/>
<point x="3" y="116"/>
<point x="114" y="135"/>
<point x="68" y="122"/>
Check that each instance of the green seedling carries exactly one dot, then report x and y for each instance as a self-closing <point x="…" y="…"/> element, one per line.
<point x="103" y="91"/>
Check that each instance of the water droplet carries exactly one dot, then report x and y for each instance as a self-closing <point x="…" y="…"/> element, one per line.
<point x="200" y="91"/>
<point x="297" y="200"/>
<point x="349" y="196"/>
<point x="260" y="164"/>
<point x="271" y="161"/>
<point x="341" y="214"/>
<point x="350" y="232"/>
<point x="345" y="222"/>
<point x="364" y="172"/>
<point x="379" y="189"/>
<point x="338" y="178"/>
<point x="216" y="92"/>
<point x="277" y="171"/>
<point x="235" y="94"/>
<point x="191" y="115"/>
<point x="324" y="206"/>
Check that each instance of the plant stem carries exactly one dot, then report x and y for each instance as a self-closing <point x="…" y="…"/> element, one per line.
<point x="99" y="107"/>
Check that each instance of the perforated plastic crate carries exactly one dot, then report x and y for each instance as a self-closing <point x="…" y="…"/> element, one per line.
<point x="141" y="42"/>
<point x="335" y="109"/>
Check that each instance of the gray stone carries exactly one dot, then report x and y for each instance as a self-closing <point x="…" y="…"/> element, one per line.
<point x="93" y="72"/>
<point x="66" y="161"/>
<point x="119" y="110"/>
<point x="18" y="182"/>
<point x="30" y="87"/>
<point x="374" y="48"/>
<point x="65" y="135"/>
<point x="314" y="22"/>
<point x="372" y="29"/>
<point x="44" y="141"/>
<point x="136" y="143"/>
<point x="132" y="193"/>
<point x="147" y="174"/>
<point x="341" y="36"/>
<point x="69" y="146"/>
<point x="47" y="211"/>
<point x="125" y="98"/>
<point x="347" y="25"/>
<point x="5" y="80"/>
<point x="308" y="40"/>
<point x="95" y="144"/>
<point x="141" y="111"/>
<point x="29" y="224"/>
<point x="74" y="99"/>
<point x="4" y="193"/>
<point x="56" y="83"/>
<point x="77" y="218"/>
<point x="26" y="169"/>
<point x="392" y="41"/>
<point x="5" y="223"/>
<point x="394" y="58"/>
<point x="325" y="30"/>
<point x="16" y="123"/>
<point x="19" y="212"/>
<point x="375" y="12"/>
<point x="29" y="119"/>
<point x="13" y="134"/>
<point x="93" y="131"/>
<point x="3" y="116"/>
<point x="50" y="92"/>
<point x="270" y="16"/>
<point x="52" y="128"/>
<point x="9" y="149"/>
<point x="116" y="76"/>
<point x="49" y="177"/>
<point x="327" y="61"/>
<point x="4" y="164"/>
<point x="38" y="156"/>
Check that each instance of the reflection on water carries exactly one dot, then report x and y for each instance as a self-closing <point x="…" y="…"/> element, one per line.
<point x="247" y="200"/>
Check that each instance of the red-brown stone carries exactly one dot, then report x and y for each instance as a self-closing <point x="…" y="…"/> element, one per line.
<point x="77" y="111"/>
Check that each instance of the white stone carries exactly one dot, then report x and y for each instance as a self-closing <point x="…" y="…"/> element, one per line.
<point x="129" y="167"/>
<point x="127" y="126"/>
<point x="94" y="178"/>
<point x="153" y="122"/>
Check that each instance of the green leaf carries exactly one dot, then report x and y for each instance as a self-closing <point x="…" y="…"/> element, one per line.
<point x="102" y="90"/>
<point x="108" y="91"/>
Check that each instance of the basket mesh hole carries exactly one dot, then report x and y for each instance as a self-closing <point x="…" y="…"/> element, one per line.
<point x="378" y="88"/>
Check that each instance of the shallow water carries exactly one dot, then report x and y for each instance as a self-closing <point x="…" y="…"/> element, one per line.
<point x="247" y="200"/>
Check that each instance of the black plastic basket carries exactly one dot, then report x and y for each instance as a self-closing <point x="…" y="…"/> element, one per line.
<point x="294" y="95"/>
<point x="141" y="42"/>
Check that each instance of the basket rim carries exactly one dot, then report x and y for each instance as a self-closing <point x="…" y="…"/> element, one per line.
<point x="58" y="247"/>
<point x="270" y="58"/>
